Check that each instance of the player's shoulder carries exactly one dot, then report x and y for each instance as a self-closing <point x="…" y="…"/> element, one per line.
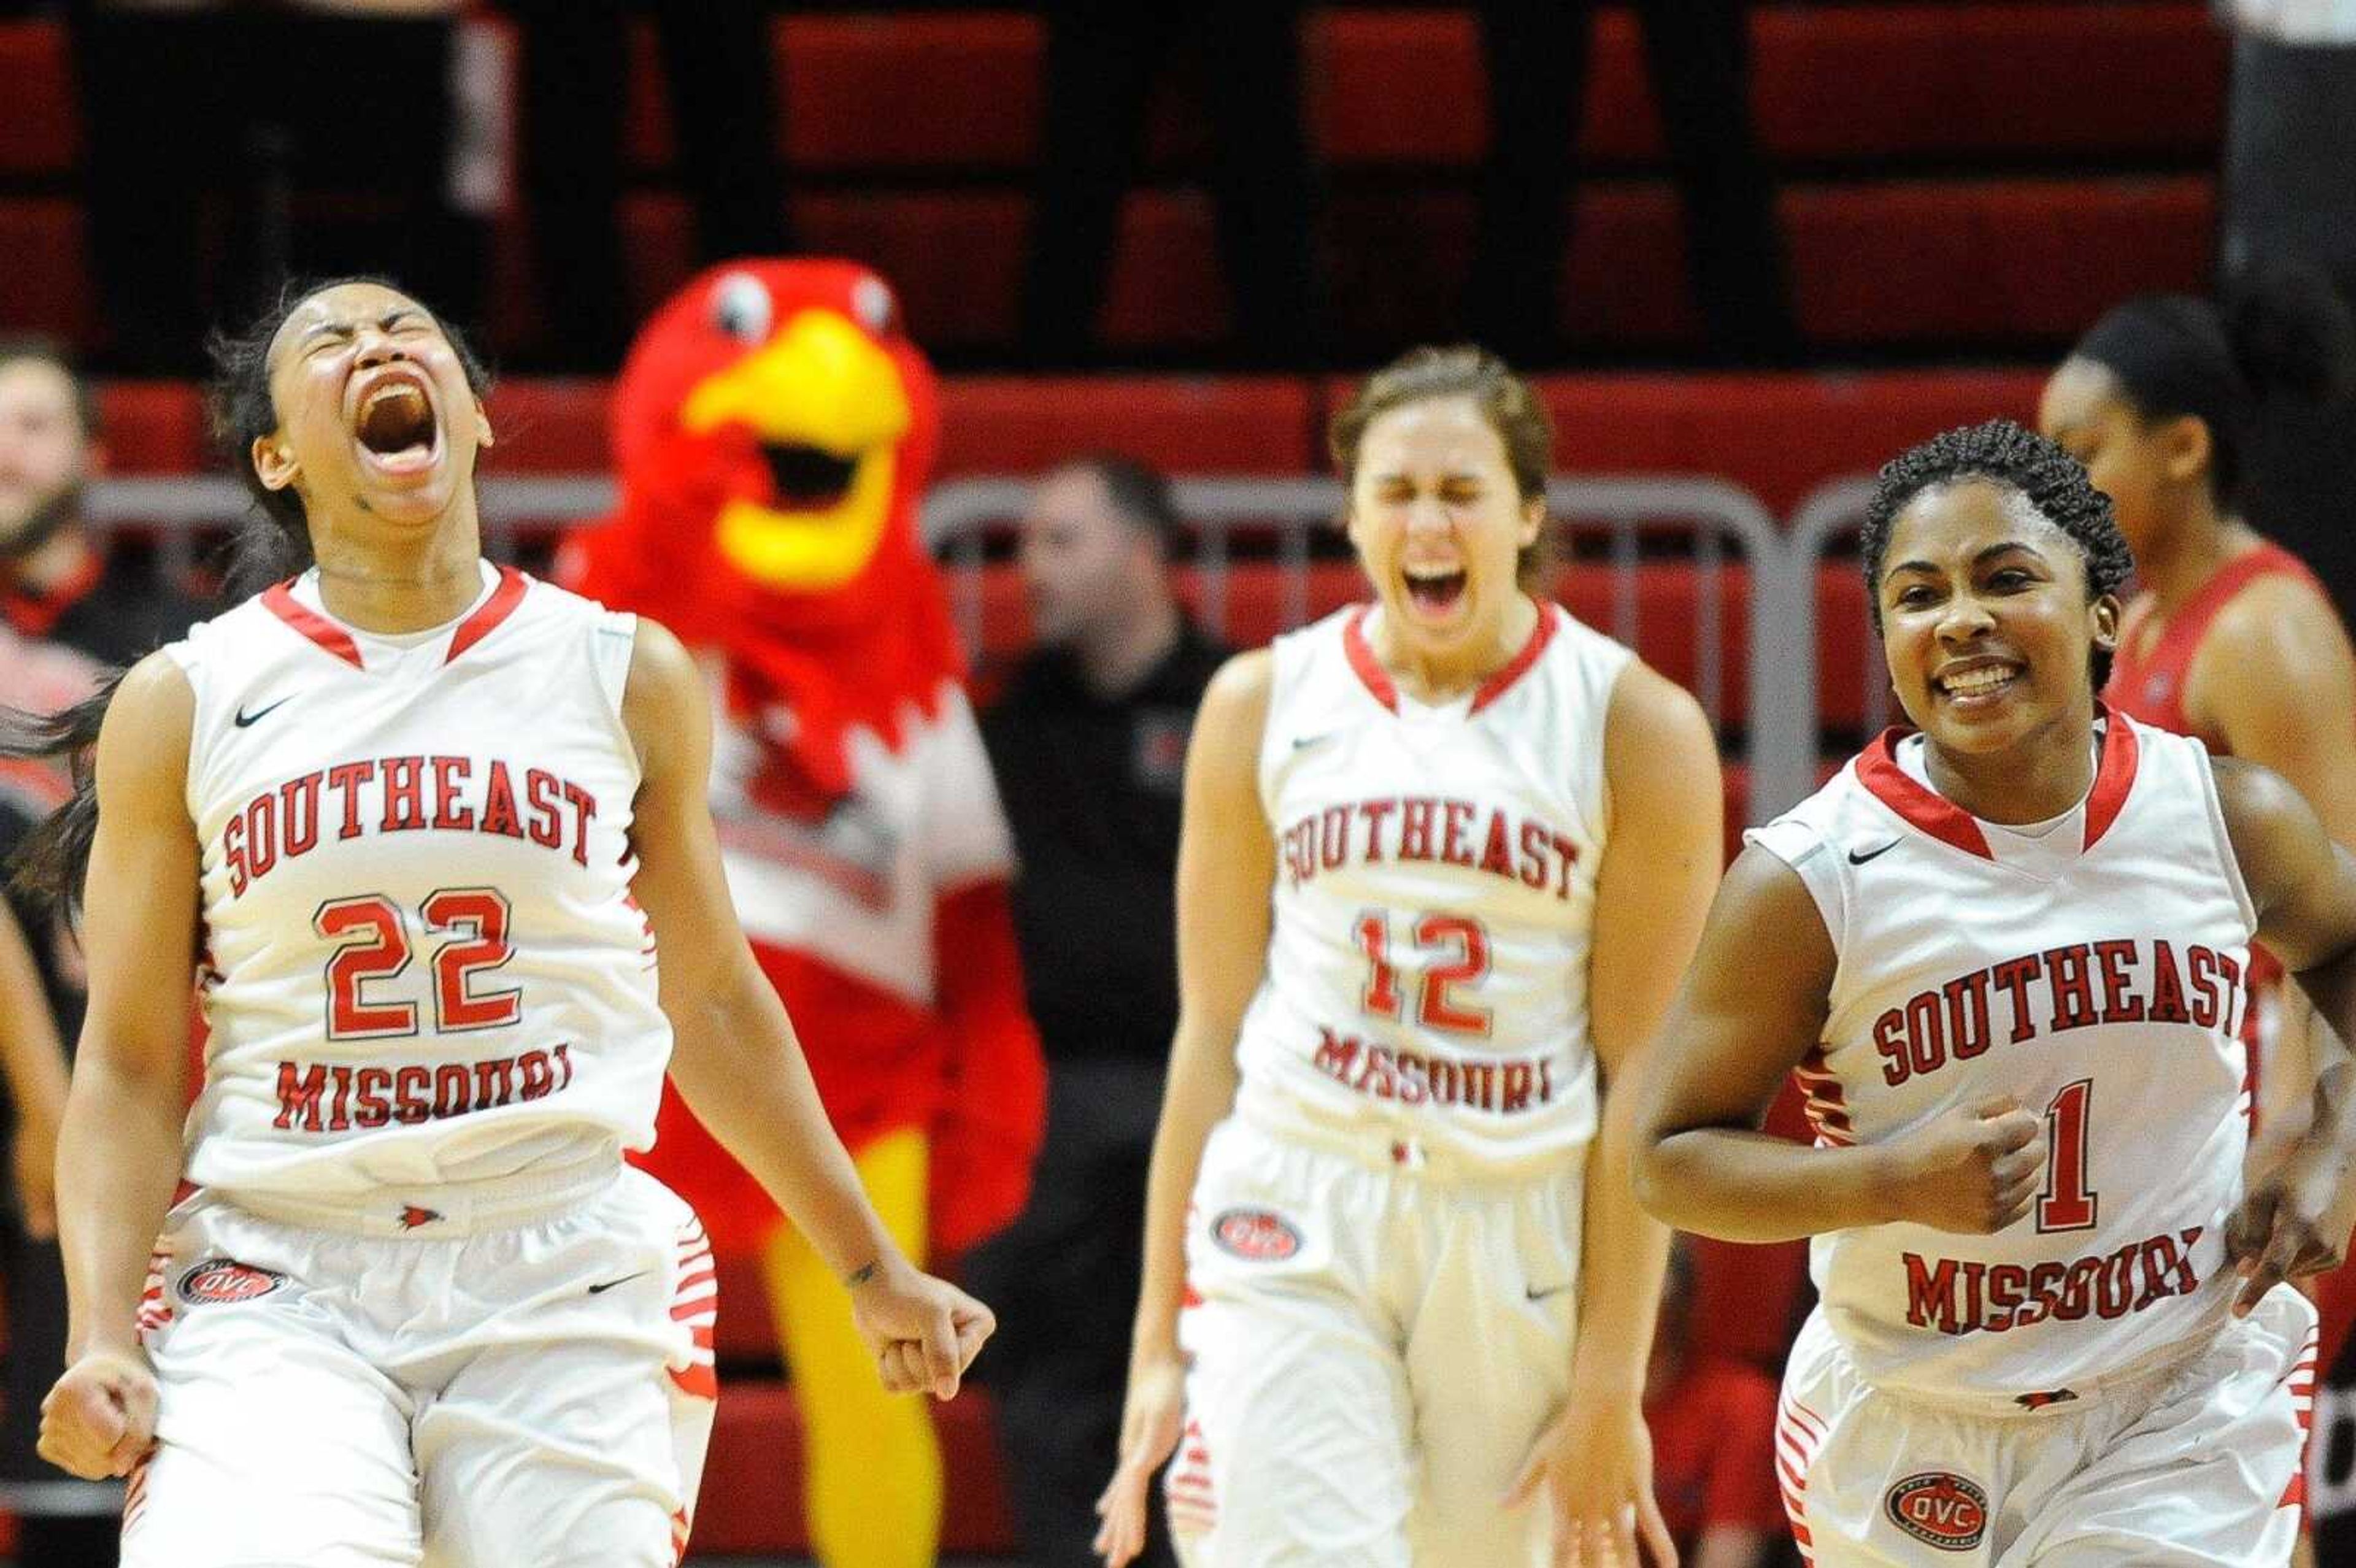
<point x="2280" y="630"/>
<point x="541" y="600"/>
<point x="1839" y="811"/>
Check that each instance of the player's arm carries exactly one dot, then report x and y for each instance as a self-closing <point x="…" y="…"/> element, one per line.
<point x="1751" y="1006"/>
<point x="735" y="1057"/>
<point x="118" y="1154"/>
<point x="1652" y="895"/>
<point x="2297" y="1218"/>
<point x="33" y="1063"/>
<point x="1652" y="891"/>
<point x="1227" y="865"/>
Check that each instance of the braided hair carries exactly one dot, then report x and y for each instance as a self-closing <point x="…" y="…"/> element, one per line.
<point x="2003" y="452"/>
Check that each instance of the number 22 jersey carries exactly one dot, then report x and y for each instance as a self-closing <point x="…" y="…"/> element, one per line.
<point x="1435" y="890"/>
<point x="2092" y="970"/>
<point x="422" y="962"/>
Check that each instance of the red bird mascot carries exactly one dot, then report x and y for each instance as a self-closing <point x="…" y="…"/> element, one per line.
<point x="774" y="430"/>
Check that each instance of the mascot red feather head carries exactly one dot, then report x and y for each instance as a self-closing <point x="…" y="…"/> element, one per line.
<point x="774" y="430"/>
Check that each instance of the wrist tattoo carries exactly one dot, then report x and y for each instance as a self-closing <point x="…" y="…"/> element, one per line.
<point x="859" y="1275"/>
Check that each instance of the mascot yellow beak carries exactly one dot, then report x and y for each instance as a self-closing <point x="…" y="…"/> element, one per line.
<point x="827" y="409"/>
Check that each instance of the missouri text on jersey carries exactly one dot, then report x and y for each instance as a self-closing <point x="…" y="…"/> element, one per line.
<point x="317" y="1098"/>
<point x="405" y="795"/>
<point x="1422" y="828"/>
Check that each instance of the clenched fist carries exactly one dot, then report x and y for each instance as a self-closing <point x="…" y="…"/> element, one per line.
<point x="1974" y="1171"/>
<point x="100" y="1419"/>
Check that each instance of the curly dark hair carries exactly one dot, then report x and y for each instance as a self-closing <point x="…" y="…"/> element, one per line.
<point x="2020" y="460"/>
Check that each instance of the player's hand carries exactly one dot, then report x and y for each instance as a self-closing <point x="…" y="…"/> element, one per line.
<point x="1149" y="1422"/>
<point x="34" y="1153"/>
<point x="100" y="1419"/>
<point x="1594" y="1462"/>
<point x="2293" y="1222"/>
<point x="1974" y="1171"/>
<point x="923" y="1333"/>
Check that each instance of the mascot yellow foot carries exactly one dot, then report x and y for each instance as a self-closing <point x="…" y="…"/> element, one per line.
<point x="873" y="1488"/>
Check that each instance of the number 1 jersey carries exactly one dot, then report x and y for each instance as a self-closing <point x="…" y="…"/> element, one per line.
<point x="1435" y="890"/>
<point x="420" y="962"/>
<point x="2090" y="969"/>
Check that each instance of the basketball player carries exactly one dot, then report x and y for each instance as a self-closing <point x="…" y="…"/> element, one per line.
<point x="2230" y="638"/>
<point x="430" y="838"/>
<point x="1440" y="859"/>
<point x="2003" y="954"/>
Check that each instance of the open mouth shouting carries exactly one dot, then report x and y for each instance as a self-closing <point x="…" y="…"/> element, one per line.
<point x="394" y="422"/>
<point x="1434" y="593"/>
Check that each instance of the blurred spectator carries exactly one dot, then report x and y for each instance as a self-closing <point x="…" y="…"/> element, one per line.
<point x="1101" y="65"/>
<point x="2290" y="142"/>
<point x="56" y="584"/>
<point x="193" y="108"/>
<point x="719" y="68"/>
<point x="1088" y="745"/>
<point x="1696" y="53"/>
<point x="1713" y="1423"/>
<point x="61" y="1523"/>
<point x="69" y="613"/>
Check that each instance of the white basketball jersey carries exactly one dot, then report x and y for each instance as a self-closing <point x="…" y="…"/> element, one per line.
<point x="1435" y="887"/>
<point x="2094" y="974"/>
<point x="422" y="960"/>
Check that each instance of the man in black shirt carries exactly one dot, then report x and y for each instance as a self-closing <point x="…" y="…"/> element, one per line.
<point x="1089" y="748"/>
<point x="72" y="611"/>
<point x="56" y="584"/>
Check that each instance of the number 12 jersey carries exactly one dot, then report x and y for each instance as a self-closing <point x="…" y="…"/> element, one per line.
<point x="1435" y="887"/>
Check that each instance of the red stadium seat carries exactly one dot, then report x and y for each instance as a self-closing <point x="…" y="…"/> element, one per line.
<point x="1777" y="436"/>
<point x="154" y="427"/>
<point x="1936" y="81"/>
<point x="550" y="425"/>
<point x="39" y="127"/>
<point x="1025" y="425"/>
<point x="2012" y="261"/>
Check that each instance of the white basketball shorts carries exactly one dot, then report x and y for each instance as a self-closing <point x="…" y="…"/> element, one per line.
<point x="499" y="1381"/>
<point x="2195" y="1464"/>
<point x="1375" y="1344"/>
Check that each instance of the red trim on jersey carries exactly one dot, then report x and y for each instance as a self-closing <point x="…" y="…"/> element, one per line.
<point x="2152" y="687"/>
<point x="2114" y="776"/>
<point x="485" y="620"/>
<point x="1878" y="771"/>
<point x="1377" y="680"/>
<point x="1540" y="636"/>
<point x="281" y="602"/>
<point x="1362" y="660"/>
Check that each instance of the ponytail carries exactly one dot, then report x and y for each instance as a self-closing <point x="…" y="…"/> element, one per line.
<point x="2282" y="332"/>
<point x="50" y="867"/>
<point x="2291" y="332"/>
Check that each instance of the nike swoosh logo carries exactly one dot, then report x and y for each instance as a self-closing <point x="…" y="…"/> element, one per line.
<point x="602" y="1289"/>
<point x="1535" y="1295"/>
<point x="242" y="718"/>
<point x="1857" y="860"/>
<point x="1298" y="741"/>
